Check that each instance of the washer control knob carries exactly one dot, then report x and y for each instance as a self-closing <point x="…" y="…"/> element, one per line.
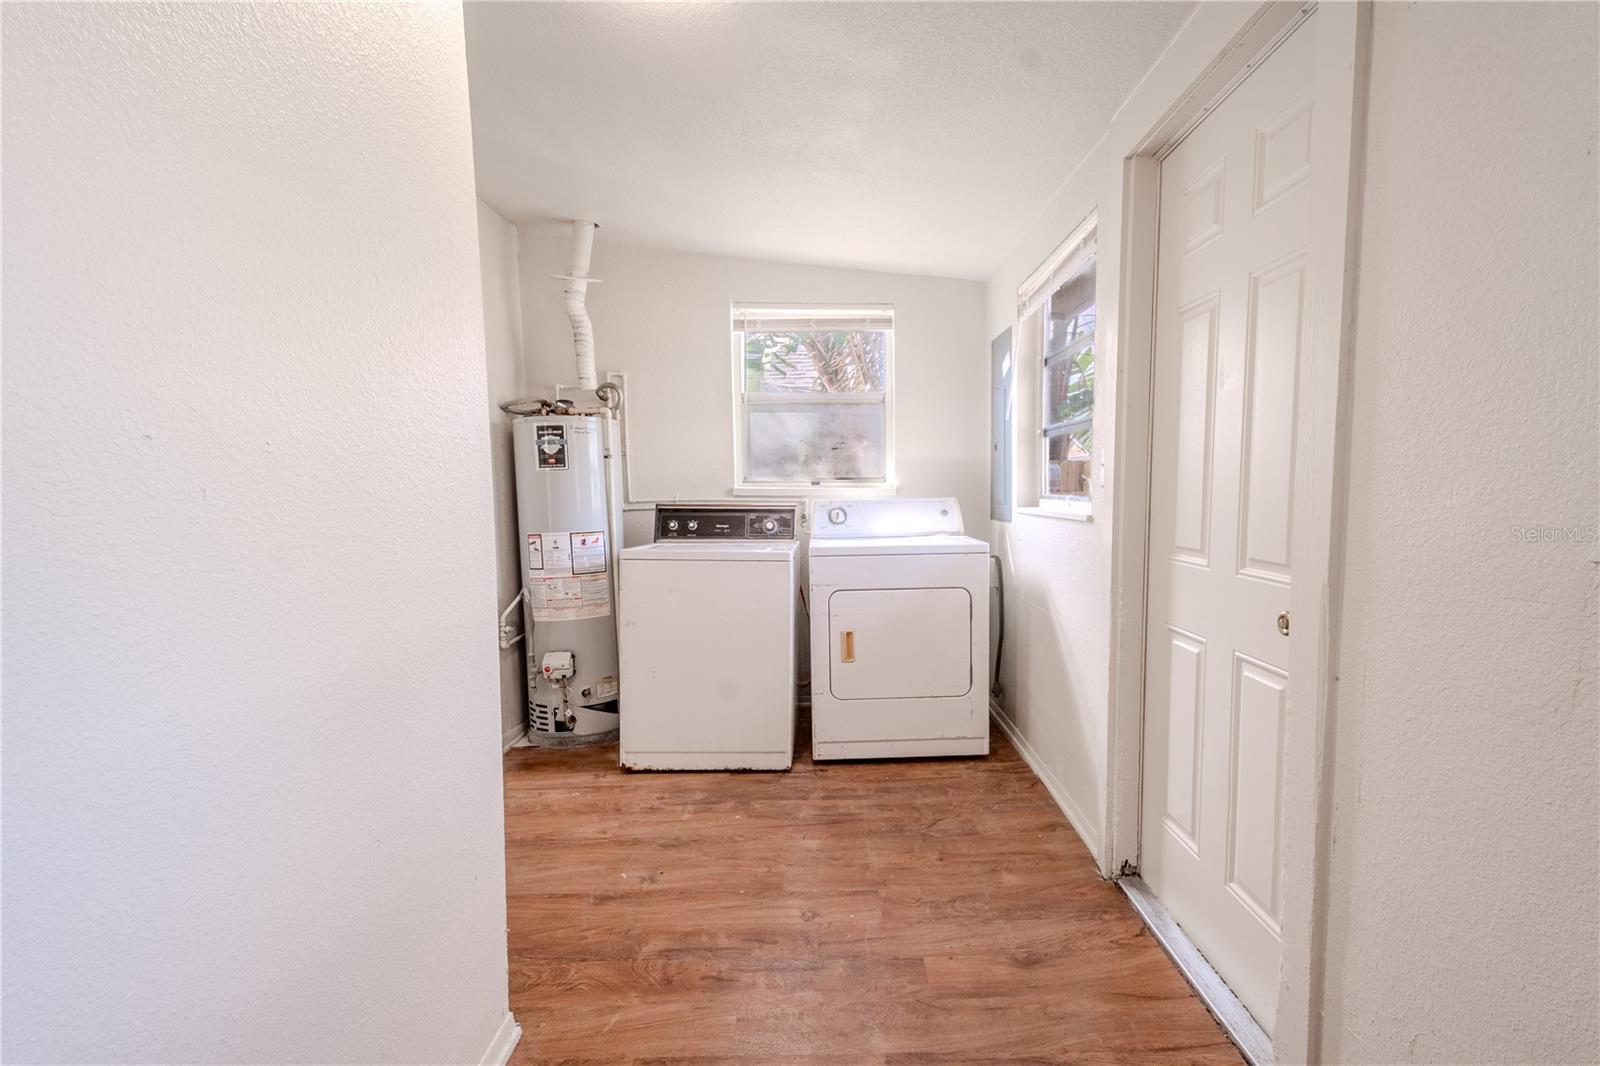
<point x="770" y="525"/>
<point x="693" y="524"/>
<point x="837" y="516"/>
<point x="672" y="523"/>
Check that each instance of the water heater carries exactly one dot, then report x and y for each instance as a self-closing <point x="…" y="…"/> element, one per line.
<point x="569" y="518"/>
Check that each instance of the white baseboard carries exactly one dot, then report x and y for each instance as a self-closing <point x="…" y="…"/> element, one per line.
<point x="503" y="1044"/>
<point x="1087" y="831"/>
<point x="512" y="737"/>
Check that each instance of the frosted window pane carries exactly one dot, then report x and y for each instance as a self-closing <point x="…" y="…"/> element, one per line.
<point x="815" y="442"/>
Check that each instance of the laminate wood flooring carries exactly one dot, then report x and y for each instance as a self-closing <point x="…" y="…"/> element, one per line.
<point x="842" y="914"/>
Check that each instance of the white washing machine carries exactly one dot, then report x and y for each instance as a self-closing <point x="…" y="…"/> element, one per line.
<point x="706" y="639"/>
<point x="899" y="630"/>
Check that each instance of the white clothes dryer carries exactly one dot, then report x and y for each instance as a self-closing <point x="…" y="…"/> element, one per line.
<point x="899" y="603"/>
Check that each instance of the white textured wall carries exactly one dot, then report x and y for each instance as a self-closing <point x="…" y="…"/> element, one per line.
<point x="1058" y="570"/>
<point x="1056" y="663"/>
<point x="1463" y="893"/>
<point x="662" y="316"/>
<point x="1463" y="881"/>
<point x="502" y="321"/>
<point x="251" y="766"/>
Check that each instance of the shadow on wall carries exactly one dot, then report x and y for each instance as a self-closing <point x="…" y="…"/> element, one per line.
<point x="1049" y="690"/>
<point x="513" y="670"/>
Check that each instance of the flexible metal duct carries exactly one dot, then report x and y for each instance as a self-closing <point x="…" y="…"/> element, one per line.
<point x="577" y="289"/>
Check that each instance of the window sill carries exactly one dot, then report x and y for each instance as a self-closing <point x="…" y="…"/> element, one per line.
<point x="806" y="492"/>
<point x="1072" y="512"/>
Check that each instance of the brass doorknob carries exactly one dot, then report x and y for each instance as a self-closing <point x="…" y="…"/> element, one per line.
<point x="1283" y="622"/>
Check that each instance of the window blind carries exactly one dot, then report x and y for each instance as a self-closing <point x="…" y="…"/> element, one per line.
<point x="1071" y="258"/>
<point x="782" y="320"/>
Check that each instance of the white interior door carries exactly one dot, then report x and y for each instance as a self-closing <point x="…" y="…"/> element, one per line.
<point x="1231" y="324"/>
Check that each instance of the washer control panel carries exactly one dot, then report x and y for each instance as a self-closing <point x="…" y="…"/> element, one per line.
<point x="729" y="522"/>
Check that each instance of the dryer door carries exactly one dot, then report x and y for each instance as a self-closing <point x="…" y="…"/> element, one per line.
<point x="900" y="643"/>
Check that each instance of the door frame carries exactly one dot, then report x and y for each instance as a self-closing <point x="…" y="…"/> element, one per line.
<point x="1339" y="81"/>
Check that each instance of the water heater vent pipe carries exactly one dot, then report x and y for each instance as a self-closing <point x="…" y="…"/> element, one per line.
<point x="577" y="288"/>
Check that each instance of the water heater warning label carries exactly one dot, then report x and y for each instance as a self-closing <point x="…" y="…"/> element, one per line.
<point x="551" y="447"/>
<point x="567" y="575"/>
<point x="589" y="552"/>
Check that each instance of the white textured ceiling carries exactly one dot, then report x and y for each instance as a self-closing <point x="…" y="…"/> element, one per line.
<point x="918" y="137"/>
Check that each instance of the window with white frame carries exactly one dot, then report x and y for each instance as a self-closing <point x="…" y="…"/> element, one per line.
<point x="1056" y="308"/>
<point x="1067" y="421"/>
<point x="813" y="396"/>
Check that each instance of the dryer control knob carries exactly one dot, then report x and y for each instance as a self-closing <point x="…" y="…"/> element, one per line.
<point x="770" y="525"/>
<point x="693" y="524"/>
<point x="672" y="523"/>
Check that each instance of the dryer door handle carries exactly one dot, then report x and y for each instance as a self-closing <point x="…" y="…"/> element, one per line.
<point x="847" y="646"/>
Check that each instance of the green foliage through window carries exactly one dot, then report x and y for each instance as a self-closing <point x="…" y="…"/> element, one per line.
<point x="814" y="394"/>
<point x="812" y="361"/>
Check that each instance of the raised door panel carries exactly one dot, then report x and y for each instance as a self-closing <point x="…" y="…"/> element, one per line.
<point x="1276" y="323"/>
<point x="1260" y="696"/>
<point x="1283" y="153"/>
<point x="1191" y="483"/>
<point x="1186" y="665"/>
<point x="1203" y="209"/>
